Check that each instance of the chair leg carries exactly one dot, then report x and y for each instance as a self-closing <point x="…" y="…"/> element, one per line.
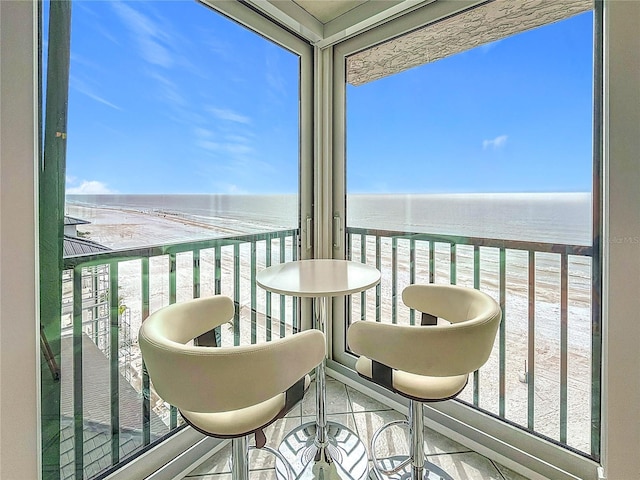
<point x="240" y="458"/>
<point x="416" y="437"/>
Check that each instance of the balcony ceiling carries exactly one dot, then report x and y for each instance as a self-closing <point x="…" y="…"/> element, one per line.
<point x="489" y="22"/>
<point x="465" y="24"/>
<point x="326" y="10"/>
<point x="325" y="22"/>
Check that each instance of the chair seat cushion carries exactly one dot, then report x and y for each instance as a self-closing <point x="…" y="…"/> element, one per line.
<point x="240" y="422"/>
<point x="418" y="387"/>
<point x="237" y="422"/>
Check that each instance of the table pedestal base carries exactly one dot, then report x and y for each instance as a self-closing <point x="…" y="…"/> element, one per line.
<point x="344" y="457"/>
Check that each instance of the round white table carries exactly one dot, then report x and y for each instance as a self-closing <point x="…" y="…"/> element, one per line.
<point x="321" y="449"/>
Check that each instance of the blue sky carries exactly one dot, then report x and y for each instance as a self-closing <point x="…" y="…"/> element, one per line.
<point x="170" y="97"/>
<point x="511" y="116"/>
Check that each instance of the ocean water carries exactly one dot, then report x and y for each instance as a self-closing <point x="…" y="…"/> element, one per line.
<point x="549" y="217"/>
<point x="542" y="217"/>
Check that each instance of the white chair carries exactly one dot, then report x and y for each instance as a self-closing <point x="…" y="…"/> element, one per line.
<point x="226" y="392"/>
<point x="430" y="362"/>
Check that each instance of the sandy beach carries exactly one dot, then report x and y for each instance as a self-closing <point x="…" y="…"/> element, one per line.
<point x="121" y="229"/>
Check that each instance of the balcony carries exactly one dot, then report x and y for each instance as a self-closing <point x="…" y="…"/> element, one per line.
<point x="539" y="378"/>
<point x="362" y="414"/>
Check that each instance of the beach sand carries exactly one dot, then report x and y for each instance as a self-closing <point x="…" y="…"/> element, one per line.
<point x="127" y="229"/>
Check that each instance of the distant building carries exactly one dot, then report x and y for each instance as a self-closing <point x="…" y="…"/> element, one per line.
<point x="73" y="244"/>
<point x="71" y="225"/>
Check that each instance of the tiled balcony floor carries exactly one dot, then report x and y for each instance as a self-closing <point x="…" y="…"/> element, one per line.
<point x="363" y="415"/>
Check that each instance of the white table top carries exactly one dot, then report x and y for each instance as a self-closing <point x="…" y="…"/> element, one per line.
<point x="318" y="278"/>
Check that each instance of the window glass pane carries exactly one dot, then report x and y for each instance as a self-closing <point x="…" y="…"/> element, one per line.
<point x="486" y="153"/>
<point x="180" y="123"/>
<point x="183" y="130"/>
<point x="511" y="119"/>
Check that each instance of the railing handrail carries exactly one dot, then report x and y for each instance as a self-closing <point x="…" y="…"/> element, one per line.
<point x="165" y="249"/>
<point x="542" y="247"/>
<point x="179" y="247"/>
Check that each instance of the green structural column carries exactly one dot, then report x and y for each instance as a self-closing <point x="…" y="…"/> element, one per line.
<point x="51" y="204"/>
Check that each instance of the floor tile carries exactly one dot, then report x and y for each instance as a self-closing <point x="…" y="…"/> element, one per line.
<point x="263" y="474"/>
<point x="436" y="443"/>
<point x="359" y="402"/>
<point x="259" y="459"/>
<point x="467" y="466"/>
<point x="393" y="441"/>
<point x="345" y="419"/>
<point x="363" y="415"/>
<point x="336" y="399"/>
<point x="217" y="476"/>
<point x="508" y="474"/>
<point x="218" y="463"/>
<point x="253" y="475"/>
<point x="296" y="411"/>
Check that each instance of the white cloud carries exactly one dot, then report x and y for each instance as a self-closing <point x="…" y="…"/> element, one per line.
<point x="231" y="188"/>
<point x="89" y="187"/>
<point x="99" y="99"/>
<point x="98" y="27"/>
<point x="220" y="47"/>
<point x="237" y="139"/>
<point x="226" y="114"/>
<point x="237" y="148"/>
<point x="274" y="77"/>
<point x="208" y="145"/>
<point x="85" y="89"/>
<point x="151" y="39"/>
<point x="489" y="46"/>
<point x="84" y="61"/>
<point x="202" y="132"/>
<point x="168" y="91"/>
<point x="497" y="142"/>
